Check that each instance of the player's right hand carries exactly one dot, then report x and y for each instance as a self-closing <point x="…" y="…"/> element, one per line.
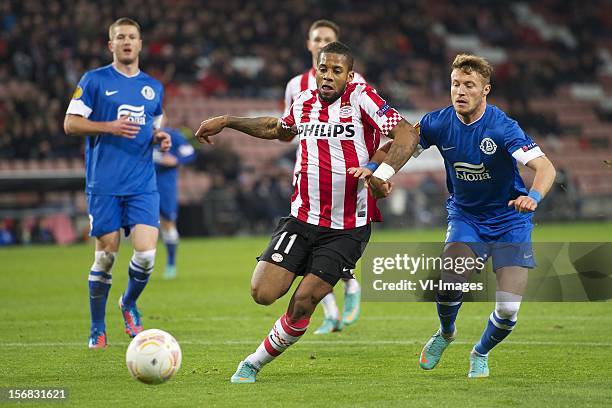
<point x="379" y="188"/>
<point x="210" y="127"/>
<point x="123" y="127"/>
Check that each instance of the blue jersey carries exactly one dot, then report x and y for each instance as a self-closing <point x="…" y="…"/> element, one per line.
<point x="480" y="160"/>
<point x="116" y="165"/>
<point x="184" y="153"/>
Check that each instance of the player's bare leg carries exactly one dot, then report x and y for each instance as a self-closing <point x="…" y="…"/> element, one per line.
<point x="447" y="304"/>
<point x="100" y="281"/>
<point x="144" y="240"/>
<point x="287" y="330"/>
<point x="270" y="282"/>
<point x="511" y="284"/>
<point x="170" y="236"/>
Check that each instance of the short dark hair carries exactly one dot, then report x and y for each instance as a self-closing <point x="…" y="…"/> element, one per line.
<point x="339" y="48"/>
<point x="324" y="23"/>
<point x="122" y="21"/>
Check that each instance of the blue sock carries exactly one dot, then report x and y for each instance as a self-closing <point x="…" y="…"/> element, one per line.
<point x="448" y="305"/>
<point x="99" y="285"/>
<point x="497" y="329"/>
<point x="139" y="276"/>
<point x="171" y="248"/>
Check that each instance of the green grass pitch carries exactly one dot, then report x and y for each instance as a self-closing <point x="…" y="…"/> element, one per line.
<point x="558" y="355"/>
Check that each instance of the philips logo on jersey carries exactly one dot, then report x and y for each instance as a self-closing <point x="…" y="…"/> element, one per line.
<point x="319" y="130"/>
<point x="135" y="114"/>
<point x="471" y="172"/>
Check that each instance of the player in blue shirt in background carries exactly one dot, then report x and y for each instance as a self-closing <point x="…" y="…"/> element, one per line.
<point x="119" y="109"/>
<point x="166" y="169"/>
<point x="489" y="210"/>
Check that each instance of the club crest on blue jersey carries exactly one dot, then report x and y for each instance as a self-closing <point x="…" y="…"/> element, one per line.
<point x="135" y="114"/>
<point x="148" y="92"/>
<point x="471" y="172"/>
<point x="488" y="146"/>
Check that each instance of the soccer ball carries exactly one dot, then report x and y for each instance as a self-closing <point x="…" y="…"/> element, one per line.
<point x="153" y="356"/>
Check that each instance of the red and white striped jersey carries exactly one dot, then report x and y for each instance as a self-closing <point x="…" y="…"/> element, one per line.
<point x="306" y="80"/>
<point x="332" y="138"/>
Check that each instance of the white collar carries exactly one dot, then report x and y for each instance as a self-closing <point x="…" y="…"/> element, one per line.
<point x="125" y="75"/>
<point x="470" y="124"/>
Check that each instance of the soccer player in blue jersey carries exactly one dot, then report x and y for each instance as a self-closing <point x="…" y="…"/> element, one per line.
<point x="119" y="109"/>
<point x="166" y="169"/>
<point x="489" y="210"/>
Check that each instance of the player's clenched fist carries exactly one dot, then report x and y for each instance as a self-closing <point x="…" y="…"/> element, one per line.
<point x="209" y="128"/>
<point x="523" y="204"/>
<point x="163" y="139"/>
<point x="379" y="188"/>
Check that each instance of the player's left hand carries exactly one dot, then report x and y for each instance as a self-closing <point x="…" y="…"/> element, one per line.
<point x="523" y="204"/>
<point x="360" y="172"/>
<point x="163" y="139"/>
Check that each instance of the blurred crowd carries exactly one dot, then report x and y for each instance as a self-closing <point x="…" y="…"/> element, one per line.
<point x="245" y="48"/>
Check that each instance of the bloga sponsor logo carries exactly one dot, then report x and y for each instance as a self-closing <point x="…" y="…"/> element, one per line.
<point x="135" y="114"/>
<point x="471" y="172"/>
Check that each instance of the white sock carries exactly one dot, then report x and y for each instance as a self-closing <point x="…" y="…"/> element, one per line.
<point x="330" y="308"/>
<point x="351" y="286"/>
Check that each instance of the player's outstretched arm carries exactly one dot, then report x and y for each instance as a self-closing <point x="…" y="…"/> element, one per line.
<point x="405" y="139"/>
<point x="262" y="128"/>
<point x="545" y="174"/>
<point x="379" y="157"/>
<point x="75" y="125"/>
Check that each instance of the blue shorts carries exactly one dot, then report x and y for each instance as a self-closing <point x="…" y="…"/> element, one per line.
<point x="168" y="204"/>
<point x="109" y="213"/>
<point x="510" y="246"/>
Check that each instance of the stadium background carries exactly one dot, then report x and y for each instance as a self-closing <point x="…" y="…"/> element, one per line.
<point x="553" y="63"/>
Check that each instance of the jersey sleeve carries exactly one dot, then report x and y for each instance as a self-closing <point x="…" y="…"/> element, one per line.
<point x="288" y="96"/>
<point x="288" y="120"/>
<point x="378" y="113"/>
<point x="84" y="96"/>
<point x="425" y="130"/>
<point x="520" y="145"/>
<point x="158" y="115"/>
<point x="185" y="153"/>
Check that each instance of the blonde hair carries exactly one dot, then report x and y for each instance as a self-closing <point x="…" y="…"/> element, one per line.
<point x="122" y="21"/>
<point x="472" y="63"/>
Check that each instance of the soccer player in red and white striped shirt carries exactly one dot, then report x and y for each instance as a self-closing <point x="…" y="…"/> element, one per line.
<point x="321" y="33"/>
<point x="339" y="125"/>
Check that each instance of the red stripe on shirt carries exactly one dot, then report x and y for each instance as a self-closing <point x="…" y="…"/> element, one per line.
<point x="369" y="134"/>
<point x="307" y="108"/>
<point x="305" y="206"/>
<point x="325" y="183"/>
<point x="350" y="185"/>
<point x="373" y="211"/>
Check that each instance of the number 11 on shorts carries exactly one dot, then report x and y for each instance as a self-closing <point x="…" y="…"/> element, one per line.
<point x="292" y="239"/>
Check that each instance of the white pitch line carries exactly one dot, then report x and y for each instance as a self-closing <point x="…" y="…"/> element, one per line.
<point x="326" y="343"/>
